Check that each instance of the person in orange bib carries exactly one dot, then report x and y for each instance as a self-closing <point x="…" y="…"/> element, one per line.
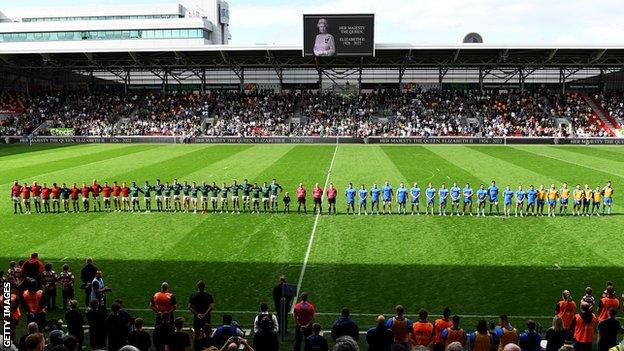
<point x="587" y="197"/>
<point x="608" y="198"/>
<point x="566" y="309"/>
<point x="597" y="201"/>
<point x="564" y="197"/>
<point x="481" y="339"/>
<point x="541" y="199"/>
<point x="438" y="326"/>
<point x="506" y="333"/>
<point x="607" y="302"/>
<point x="583" y="327"/>
<point x="578" y="195"/>
<point x="422" y="331"/>
<point x="400" y="326"/>
<point x="163" y="303"/>
<point x="34" y="304"/>
<point x="454" y="333"/>
<point x="553" y="196"/>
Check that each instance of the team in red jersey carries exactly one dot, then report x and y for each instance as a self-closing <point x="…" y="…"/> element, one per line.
<point x="84" y="192"/>
<point x="55" y="193"/>
<point x="25" y="193"/>
<point x="15" y="197"/>
<point x="74" y="192"/>
<point x="95" y="190"/>
<point x="45" y="198"/>
<point x="116" y="196"/>
<point x="36" y="194"/>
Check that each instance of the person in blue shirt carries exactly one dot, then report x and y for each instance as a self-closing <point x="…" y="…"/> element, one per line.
<point x="430" y="193"/>
<point x="508" y="197"/>
<point x="401" y="198"/>
<point x="415" y="192"/>
<point x="520" y="197"/>
<point x="350" y="194"/>
<point x="531" y="197"/>
<point x="468" y="193"/>
<point x="375" y="192"/>
<point x="444" y="192"/>
<point x="387" y="197"/>
<point x="493" y="194"/>
<point x="530" y="339"/>
<point x="455" y="195"/>
<point x="481" y="197"/>
<point x="363" y="196"/>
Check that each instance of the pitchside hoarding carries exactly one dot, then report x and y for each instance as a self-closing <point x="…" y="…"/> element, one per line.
<point x="339" y="35"/>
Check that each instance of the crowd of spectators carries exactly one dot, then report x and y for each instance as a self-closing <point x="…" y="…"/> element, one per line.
<point x="420" y="112"/>
<point x="613" y="103"/>
<point x="34" y="285"/>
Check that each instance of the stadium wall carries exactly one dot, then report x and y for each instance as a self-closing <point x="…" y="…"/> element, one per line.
<point x="309" y="140"/>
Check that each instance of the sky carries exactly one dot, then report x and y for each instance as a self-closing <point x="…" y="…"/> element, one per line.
<point x="532" y="22"/>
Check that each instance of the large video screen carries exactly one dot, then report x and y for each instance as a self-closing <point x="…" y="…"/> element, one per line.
<point x="339" y="35"/>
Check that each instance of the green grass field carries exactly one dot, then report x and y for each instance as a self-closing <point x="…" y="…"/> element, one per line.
<point x="478" y="266"/>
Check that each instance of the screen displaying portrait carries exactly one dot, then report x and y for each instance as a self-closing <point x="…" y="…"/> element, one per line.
<point x="338" y="35"/>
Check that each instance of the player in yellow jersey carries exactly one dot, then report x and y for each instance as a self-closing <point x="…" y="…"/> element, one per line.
<point x="607" y="191"/>
<point x="587" y="197"/>
<point x="564" y="196"/>
<point x="541" y="199"/>
<point x="597" y="200"/>
<point x="578" y="195"/>
<point x="553" y="196"/>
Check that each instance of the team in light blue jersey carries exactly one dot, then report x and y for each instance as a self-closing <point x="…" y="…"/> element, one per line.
<point x="493" y="195"/>
<point x="508" y="195"/>
<point x="443" y="193"/>
<point x="375" y="193"/>
<point x="350" y="195"/>
<point x="415" y="192"/>
<point x="468" y="193"/>
<point x="388" y="192"/>
<point x="520" y="198"/>
<point x="455" y="195"/>
<point x="481" y="198"/>
<point x="401" y="196"/>
<point x="430" y="193"/>
<point x="363" y="197"/>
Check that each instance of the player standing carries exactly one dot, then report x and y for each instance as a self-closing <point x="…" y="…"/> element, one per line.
<point x="608" y="198"/>
<point x="564" y="196"/>
<point x="508" y="198"/>
<point x="443" y="193"/>
<point x="147" y="196"/>
<point x="553" y="196"/>
<point x="234" y="189"/>
<point x="74" y="197"/>
<point x="84" y="192"/>
<point x="158" y="189"/>
<point x="15" y="197"/>
<point x="597" y="197"/>
<point x="166" y="190"/>
<point x="275" y="190"/>
<point x="45" y="197"/>
<point x="541" y="199"/>
<point x="125" y="197"/>
<point x="375" y="195"/>
<point x="430" y="194"/>
<point x="577" y="194"/>
<point x="401" y="199"/>
<point x="95" y="190"/>
<point x="468" y="193"/>
<point x="286" y="200"/>
<point x="387" y="197"/>
<point x="246" y="187"/>
<point x="255" y="194"/>
<point x="531" y="198"/>
<point x="415" y="199"/>
<point x="350" y="195"/>
<point x="65" y="193"/>
<point x="194" y="191"/>
<point x="186" y="196"/>
<point x="106" y="194"/>
<point x="301" y="199"/>
<point x="331" y="198"/>
<point x="317" y="195"/>
<point x="493" y="194"/>
<point x="363" y="195"/>
<point x="204" y="189"/>
<point x="25" y="192"/>
<point x="117" y="196"/>
<point x="520" y="196"/>
<point x="266" y="191"/>
<point x="36" y="195"/>
<point x="481" y="198"/>
<point x="214" y="196"/>
<point x="455" y="195"/>
<point x="224" y="198"/>
<point x="134" y="194"/>
<point x="56" y="195"/>
<point x="176" y="188"/>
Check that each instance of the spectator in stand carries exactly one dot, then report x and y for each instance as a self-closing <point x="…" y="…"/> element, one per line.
<point x="608" y="302"/>
<point x="180" y="340"/>
<point x="316" y="341"/>
<point x="481" y="339"/>
<point x="162" y="333"/>
<point x="33" y="267"/>
<point x="97" y="325"/>
<point x="125" y="315"/>
<point x="75" y="322"/>
<point x="265" y="336"/>
<point x="116" y="329"/>
<point x="48" y="279"/>
<point x="203" y="338"/>
<point x="235" y="343"/>
<point x="226" y="331"/>
<point x="584" y="325"/>
<point x="401" y="326"/>
<point x="379" y="338"/>
<point x="422" y="331"/>
<point x="589" y="298"/>
<point x="506" y="333"/>
<point x="556" y="335"/>
<point x="303" y="315"/>
<point x="345" y="343"/>
<point x="201" y="304"/>
<point x="278" y="293"/>
<point x="35" y="342"/>
<point x="264" y="313"/>
<point x="345" y="326"/>
<point x="608" y="330"/>
<point x="530" y="339"/>
<point x="511" y="347"/>
<point x="455" y="333"/>
<point x="32" y="328"/>
<point x="438" y="326"/>
<point x="163" y="302"/>
<point x="138" y="337"/>
<point x="87" y="274"/>
<point x="71" y="343"/>
<point x="99" y="290"/>
<point x="566" y="308"/>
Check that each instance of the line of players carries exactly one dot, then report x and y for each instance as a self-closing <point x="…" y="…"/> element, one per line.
<point x="191" y="197"/>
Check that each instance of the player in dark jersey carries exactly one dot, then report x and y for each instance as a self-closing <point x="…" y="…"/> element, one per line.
<point x="176" y="188"/>
<point x="158" y="189"/>
<point x="204" y="189"/>
<point x="15" y="197"/>
<point x="65" y="193"/>
<point x="167" y="196"/>
<point x="186" y="196"/>
<point x="246" y="188"/>
<point x="194" y="191"/>
<point x="55" y="192"/>
<point x="95" y="190"/>
<point x="266" y="193"/>
<point x="224" y="198"/>
<point x="134" y="195"/>
<point x="255" y="195"/>
<point x="286" y="200"/>
<point x="275" y="190"/>
<point x="106" y="195"/>
<point x="45" y="197"/>
<point x="214" y="196"/>
<point x="147" y="196"/>
<point x="234" y="189"/>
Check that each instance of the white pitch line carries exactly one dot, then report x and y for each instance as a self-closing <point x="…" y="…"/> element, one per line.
<point x="316" y="219"/>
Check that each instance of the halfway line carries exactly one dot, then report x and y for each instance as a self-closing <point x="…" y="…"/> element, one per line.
<point x="316" y="219"/>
